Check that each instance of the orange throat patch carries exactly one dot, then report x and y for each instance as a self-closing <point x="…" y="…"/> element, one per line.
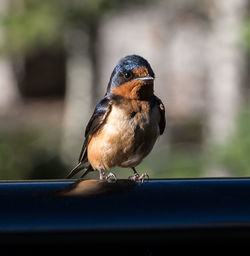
<point x="136" y="90"/>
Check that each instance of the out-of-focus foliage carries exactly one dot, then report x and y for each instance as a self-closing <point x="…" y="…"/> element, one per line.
<point x="174" y="164"/>
<point x="245" y="34"/>
<point x="26" y="154"/>
<point x="29" y="25"/>
<point x="234" y="156"/>
<point x="32" y="24"/>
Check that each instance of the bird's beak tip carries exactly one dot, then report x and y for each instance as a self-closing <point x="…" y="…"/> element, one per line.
<point x="146" y="78"/>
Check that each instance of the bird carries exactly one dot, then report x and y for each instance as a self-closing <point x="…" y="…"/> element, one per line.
<point x="125" y="123"/>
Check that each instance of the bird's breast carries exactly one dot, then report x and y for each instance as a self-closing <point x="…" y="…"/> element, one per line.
<point x="125" y="138"/>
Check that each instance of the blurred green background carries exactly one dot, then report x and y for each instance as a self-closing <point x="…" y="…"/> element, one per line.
<point x="56" y="58"/>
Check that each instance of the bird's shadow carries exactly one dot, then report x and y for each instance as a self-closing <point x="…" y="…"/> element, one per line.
<point x="97" y="187"/>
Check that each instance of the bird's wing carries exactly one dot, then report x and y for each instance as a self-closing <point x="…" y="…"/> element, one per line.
<point x="97" y="119"/>
<point x="162" y="122"/>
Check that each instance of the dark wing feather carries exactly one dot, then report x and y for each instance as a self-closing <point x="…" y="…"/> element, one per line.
<point x="97" y="119"/>
<point x="162" y="122"/>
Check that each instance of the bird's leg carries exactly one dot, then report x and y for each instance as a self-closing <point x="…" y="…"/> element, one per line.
<point x="101" y="175"/>
<point x="110" y="177"/>
<point x="138" y="177"/>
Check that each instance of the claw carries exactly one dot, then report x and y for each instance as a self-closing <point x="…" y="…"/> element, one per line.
<point x="138" y="177"/>
<point x="142" y="177"/>
<point x="111" y="177"/>
<point x="135" y="177"/>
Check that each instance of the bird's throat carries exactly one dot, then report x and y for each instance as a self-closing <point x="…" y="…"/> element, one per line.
<point x="142" y="92"/>
<point x="136" y="90"/>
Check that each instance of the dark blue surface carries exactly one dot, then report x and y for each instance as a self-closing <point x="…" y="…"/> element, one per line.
<point x="156" y="204"/>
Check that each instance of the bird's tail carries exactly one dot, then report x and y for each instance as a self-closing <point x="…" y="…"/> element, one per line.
<point x="78" y="168"/>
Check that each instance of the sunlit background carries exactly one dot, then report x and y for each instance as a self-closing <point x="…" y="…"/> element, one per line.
<point x="56" y="60"/>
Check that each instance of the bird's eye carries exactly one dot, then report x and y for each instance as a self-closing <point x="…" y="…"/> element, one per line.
<point x="128" y="75"/>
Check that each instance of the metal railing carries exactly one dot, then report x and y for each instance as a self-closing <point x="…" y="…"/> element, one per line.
<point x="155" y="211"/>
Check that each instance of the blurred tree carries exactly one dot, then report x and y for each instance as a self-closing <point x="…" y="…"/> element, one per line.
<point x="225" y="67"/>
<point x="9" y="92"/>
<point x="32" y="24"/>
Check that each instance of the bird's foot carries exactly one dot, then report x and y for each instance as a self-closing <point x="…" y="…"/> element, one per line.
<point x="109" y="178"/>
<point x="138" y="177"/>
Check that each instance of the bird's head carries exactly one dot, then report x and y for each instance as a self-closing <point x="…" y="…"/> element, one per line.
<point x="132" y="78"/>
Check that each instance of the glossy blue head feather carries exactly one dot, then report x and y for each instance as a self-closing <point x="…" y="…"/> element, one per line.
<point x="123" y="69"/>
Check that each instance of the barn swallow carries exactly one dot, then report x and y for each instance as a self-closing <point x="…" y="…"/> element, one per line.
<point x="126" y="122"/>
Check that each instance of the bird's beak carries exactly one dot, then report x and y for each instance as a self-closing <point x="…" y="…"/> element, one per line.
<point x="146" y="78"/>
